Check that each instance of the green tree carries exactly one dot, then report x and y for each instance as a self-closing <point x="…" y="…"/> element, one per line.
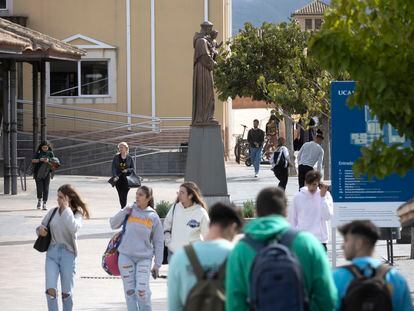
<point x="373" y="40"/>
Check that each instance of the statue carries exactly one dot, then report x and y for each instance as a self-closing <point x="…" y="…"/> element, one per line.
<point x="203" y="84"/>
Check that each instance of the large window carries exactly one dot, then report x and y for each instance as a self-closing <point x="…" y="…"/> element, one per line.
<point x="308" y="24"/>
<point x="83" y="78"/>
<point x="318" y="23"/>
<point x="3" y="4"/>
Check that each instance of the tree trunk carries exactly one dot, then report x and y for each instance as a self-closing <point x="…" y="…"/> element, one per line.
<point x="326" y="145"/>
<point x="289" y="144"/>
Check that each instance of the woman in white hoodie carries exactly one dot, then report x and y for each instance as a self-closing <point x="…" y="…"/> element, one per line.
<point x="187" y="220"/>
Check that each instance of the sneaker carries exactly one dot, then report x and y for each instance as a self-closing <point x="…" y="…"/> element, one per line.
<point x="39" y="204"/>
<point x="44" y="206"/>
<point x="255" y="175"/>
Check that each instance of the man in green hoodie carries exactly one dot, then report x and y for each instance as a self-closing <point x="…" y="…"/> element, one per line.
<point x="271" y="221"/>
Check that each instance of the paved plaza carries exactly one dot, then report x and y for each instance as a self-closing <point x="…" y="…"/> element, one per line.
<point x="22" y="272"/>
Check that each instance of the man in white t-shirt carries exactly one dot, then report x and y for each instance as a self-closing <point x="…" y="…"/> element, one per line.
<point x="310" y="154"/>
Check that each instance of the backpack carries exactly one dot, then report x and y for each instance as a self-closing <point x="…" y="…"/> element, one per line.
<point x="276" y="279"/>
<point x="208" y="293"/>
<point x="367" y="293"/>
<point x="279" y="159"/>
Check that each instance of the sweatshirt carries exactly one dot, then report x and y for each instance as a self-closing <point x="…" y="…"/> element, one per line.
<point x="255" y="137"/>
<point x="311" y="255"/>
<point x="311" y="212"/>
<point x="64" y="228"/>
<point x="143" y="235"/>
<point x="189" y="225"/>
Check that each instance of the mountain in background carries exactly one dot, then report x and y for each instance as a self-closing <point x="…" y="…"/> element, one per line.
<point x="259" y="11"/>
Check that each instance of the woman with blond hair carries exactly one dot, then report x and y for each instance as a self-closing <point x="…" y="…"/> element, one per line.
<point x="64" y="223"/>
<point x="122" y="165"/>
<point x="142" y="239"/>
<point x="187" y="220"/>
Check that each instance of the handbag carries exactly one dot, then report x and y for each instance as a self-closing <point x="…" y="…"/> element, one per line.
<point x="112" y="181"/>
<point x="165" y="256"/>
<point x="110" y="256"/>
<point x="134" y="181"/>
<point x="42" y="243"/>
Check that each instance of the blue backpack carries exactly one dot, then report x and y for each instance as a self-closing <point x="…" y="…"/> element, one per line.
<point x="276" y="279"/>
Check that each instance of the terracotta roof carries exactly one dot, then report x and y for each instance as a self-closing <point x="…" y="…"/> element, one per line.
<point x="24" y="40"/>
<point x="314" y="8"/>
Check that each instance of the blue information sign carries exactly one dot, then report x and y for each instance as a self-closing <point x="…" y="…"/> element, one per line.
<point x="351" y="130"/>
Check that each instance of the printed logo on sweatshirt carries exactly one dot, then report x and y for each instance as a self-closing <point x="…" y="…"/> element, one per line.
<point x="143" y="221"/>
<point x="193" y="223"/>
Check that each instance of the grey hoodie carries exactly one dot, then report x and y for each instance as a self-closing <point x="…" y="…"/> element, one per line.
<point x="144" y="235"/>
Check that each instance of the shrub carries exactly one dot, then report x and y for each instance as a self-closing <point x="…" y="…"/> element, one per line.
<point x="249" y="209"/>
<point x="162" y="208"/>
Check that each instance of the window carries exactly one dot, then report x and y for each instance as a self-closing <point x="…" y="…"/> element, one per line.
<point x="308" y="24"/>
<point x="3" y="4"/>
<point x="83" y="78"/>
<point x="318" y="23"/>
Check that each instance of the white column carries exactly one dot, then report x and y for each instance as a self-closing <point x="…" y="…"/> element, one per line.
<point x="205" y="10"/>
<point x="153" y="95"/>
<point x="128" y="58"/>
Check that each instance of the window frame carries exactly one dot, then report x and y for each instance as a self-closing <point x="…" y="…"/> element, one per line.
<point x="320" y="25"/>
<point x="311" y="23"/>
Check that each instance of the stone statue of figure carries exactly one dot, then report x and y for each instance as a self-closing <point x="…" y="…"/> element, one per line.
<point x="203" y="84"/>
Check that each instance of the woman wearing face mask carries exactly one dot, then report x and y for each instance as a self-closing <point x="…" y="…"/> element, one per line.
<point x="122" y="165"/>
<point x="62" y="252"/>
<point x="143" y="237"/>
<point x="187" y="220"/>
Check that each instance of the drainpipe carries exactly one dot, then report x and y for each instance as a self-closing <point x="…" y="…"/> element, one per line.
<point x="153" y="95"/>
<point x="128" y="56"/>
<point x="205" y="10"/>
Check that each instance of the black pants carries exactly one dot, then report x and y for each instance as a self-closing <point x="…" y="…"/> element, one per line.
<point x="123" y="189"/>
<point x="42" y="187"/>
<point x="282" y="175"/>
<point x="303" y="169"/>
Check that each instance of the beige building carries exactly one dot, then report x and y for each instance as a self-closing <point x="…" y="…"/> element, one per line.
<point x="310" y="17"/>
<point x="137" y="73"/>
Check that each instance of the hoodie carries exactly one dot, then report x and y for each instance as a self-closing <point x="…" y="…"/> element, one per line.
<point x="311" y="212"/>
<point x="317" y="274"/>
<point x="143" y="235"/>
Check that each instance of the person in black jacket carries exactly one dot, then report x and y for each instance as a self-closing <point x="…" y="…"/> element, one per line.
<point x="42" y="172"/>
<point x="255" y="137"/>
<point x="122" y="165"/>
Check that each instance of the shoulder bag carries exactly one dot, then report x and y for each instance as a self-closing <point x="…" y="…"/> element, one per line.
<point x="42" y="243"/>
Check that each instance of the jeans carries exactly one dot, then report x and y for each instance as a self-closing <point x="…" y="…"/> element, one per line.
<point x="135" y="275"/>
<point x="42" y="187"/>
<point x="60" y="261"/>
<point x="123" y="189"/>
<point x="303" y="169"/>
<point x="255" y="156"/>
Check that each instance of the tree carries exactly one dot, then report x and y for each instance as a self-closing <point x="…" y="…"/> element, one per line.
<point x="269" y="63"/>
<point x="373" y="41"/>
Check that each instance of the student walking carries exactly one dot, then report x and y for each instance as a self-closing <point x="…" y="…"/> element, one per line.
<point x="255" y="137"/>
<point x="143" y="237"/>
<point x="201" y="262"/>
<point x="280" y="162"/>
<point x="392" y="292"/>
<point x="42" y="172"/>
<point x="271" y="225"/>
<point x="62" y="252"/>
<point x="309" y="155"/>
<point x="122" y="165"/>
<point x="187" y="220"/>
<point x="312" y="208"/>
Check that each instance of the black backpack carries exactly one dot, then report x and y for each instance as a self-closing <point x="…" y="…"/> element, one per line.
<point x="276" y="279"/>
<point x="279" y="159"/>
<point x="367" y="293"/>
<point x="208" y="293"/>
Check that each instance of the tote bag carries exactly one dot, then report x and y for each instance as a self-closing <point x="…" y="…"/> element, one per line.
<point x="42" y="243"/>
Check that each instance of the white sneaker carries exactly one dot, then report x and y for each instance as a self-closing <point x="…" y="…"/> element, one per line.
<point x="39" y="204"/>
<point x="44" y="206"/>
<point x="255" y="175"/>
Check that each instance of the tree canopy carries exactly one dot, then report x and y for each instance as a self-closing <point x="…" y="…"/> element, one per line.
<point x="373" y="40"/>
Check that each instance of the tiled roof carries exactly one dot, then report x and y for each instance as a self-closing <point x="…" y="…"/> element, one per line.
<point x="23" y="40"/>
<point x="314" y="8"/>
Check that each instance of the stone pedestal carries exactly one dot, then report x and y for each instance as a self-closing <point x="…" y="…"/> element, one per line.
<point x="205" y="163"/>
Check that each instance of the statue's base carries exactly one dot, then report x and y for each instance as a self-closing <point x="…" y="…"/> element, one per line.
<point x="205" y="163"/>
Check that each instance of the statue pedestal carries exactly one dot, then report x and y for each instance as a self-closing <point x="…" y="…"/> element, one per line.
<point x="205" y="163"/>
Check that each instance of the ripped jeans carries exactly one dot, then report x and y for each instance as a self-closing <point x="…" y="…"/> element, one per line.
<point x="60" y="261"/>
<point x="135" y="275"/>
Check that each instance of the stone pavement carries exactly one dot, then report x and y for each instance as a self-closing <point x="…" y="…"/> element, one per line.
<point x="22" y="273"/>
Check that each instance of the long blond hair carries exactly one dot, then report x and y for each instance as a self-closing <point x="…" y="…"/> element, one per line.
<point x="75" y="201"/>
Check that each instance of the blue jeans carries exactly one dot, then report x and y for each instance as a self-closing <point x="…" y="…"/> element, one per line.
<point x="255" y="156"/>
<point x="135" y="275"/>
<point x="60" y="261"/>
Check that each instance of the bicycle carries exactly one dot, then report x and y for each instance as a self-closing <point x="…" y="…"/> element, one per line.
<point x="241" y="149"/>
